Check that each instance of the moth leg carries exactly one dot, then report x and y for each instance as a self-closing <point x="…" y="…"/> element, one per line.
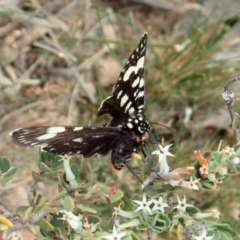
<point x="133" y="172"/>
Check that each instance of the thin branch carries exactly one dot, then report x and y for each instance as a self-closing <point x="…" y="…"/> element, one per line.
<point x="228" y="96"/>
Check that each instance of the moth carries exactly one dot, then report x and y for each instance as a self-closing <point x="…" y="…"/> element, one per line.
<point x="125" y="135"/>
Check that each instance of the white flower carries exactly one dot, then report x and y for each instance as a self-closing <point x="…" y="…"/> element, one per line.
<point x="69" y="174"/>
<point x="227" y="152"/>
<point x="203" y="236"/>
<point x="143" y="205"/>
<point x="159" y="205"/>
<point x="163" y="153"/>
<point x="187" y="184"/>
<point x="182" y="205"/>
<point x="214" y="213"/>
<point x="73" y="220"/>
<point x="192" y="184"/>
<point x="181" y="47"/>
<point x="211" y="213"/>
<point x="235" y="161"/>
<point x="115" y="235"/>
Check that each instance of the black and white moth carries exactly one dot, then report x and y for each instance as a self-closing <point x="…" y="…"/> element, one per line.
<point x="125" y="135"/>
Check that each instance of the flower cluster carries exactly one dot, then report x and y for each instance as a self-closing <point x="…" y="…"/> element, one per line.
<point x="170" y="177"/>
<point x="215" y="169"/>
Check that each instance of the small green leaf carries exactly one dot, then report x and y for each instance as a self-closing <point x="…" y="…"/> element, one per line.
<point x="51" y="210"/>
<point x="48" y="234"/>
<point x="45" y="225"/>
<point x="206" y="184"/>
<point x="59" y="196"/>
<point x="36" y="177"/>
<point x="51" y="160"/>
<point x="39" y="198"/>
<point x="236" y="122"/>
<point x="159" y="222"/>
<point x="134" y="237"/>
<point x="5" y="164"/>
<point x="44" y="167"/>
<point x="68" y="204"/>
<point x="94" y="219"/>
<point x="106" y="223"/>
<point x="22" y="209"/>
<point x="116" y="197"/>
<point x="9" y="175"/>
<point x="151" y="192"/>
<point x="226" y="228"/>
<point x="192" y="210"/>
<point x="40" y="206"/>
<point x="57" y="221"/>
<point x="86" y="208"/>
<point x="33" y="229"/>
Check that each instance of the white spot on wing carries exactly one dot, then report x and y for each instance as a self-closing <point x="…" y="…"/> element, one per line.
<point x="141" y="83"/>
<point x="14" y="131"/>
<point x="78" y="140"/>
<point x="124" y="99"/>
<point x="47" y="136"/>
<point x="77" y="128"/>
<point x="141" y="94"/>
<point x="129" y="125"/>
<point x="128" y="106"/>
<point x="140" y="64"/>
<point x="142" y="51"/>
<point x="119" y="94"/>
<point x="131" y="111"/>
<point x="52" y="130"/>
<point x="136" y="82"/>
<point x="33" y="144"/>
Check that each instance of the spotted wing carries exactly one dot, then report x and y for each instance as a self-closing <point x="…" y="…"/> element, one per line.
<point x="70" y="140"/>
<point x="128" y="93"/>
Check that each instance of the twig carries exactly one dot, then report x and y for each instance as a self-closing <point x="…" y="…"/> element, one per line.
<point x="31" y="69"/>
<point x="74" y="72"/>
<point x="155" y="174"/>
<point x="5" y="206"/>
<point x="84" y="86"/>
<point x="31" y="193"/>
<point x="68" y="7"/>
<point x="149" y="233"/>
<point x="9" y="27"/>
<point x="22" y="109"/>
<point x="228" y="96"/>
<point x="62" y="25"/>
<point x="22" y="55"/>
